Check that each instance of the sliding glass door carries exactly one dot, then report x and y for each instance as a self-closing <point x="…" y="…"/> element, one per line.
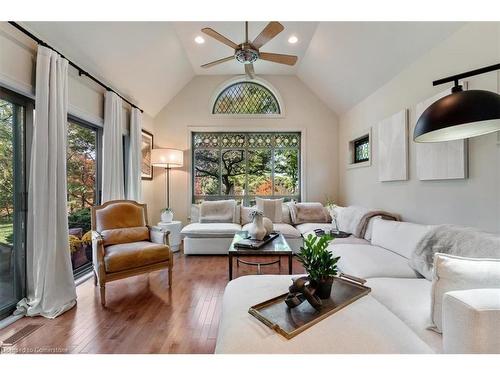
<point x="82" y="179"/>
<point x="15" y="112"/>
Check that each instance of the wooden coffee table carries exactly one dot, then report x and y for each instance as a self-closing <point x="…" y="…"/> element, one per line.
<point x="276" y="248"/>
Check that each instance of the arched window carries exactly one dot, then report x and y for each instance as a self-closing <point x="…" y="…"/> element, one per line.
<point x="246" y="98"/>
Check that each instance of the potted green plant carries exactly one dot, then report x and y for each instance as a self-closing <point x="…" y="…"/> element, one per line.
<point x="167" y="215"/>
<point x="87" y="244"/>
<point x="319" y="263"/>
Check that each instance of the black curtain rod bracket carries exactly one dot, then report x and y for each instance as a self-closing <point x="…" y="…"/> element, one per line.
<point x="81" y="72"/>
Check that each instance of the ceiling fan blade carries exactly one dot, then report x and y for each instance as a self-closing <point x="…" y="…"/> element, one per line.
<point x="249" y="70"/>
<point x="221" y="38"/>
<point x="216" y="62"/>
<point x="278" y="58"/>
<point x="270" y="31"/>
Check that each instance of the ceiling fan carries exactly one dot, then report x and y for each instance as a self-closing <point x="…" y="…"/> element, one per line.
<point x="249" y="52"/>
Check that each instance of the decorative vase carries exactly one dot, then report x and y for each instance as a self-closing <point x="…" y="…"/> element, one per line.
<point x="256" y="229"/>
<point x="323" y="287"/>
<point x="268" y="224"/>
<point x="167" y="216"/>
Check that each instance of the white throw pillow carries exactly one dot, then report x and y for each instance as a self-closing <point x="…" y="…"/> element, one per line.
<point x="272" y="208"/>
<point x="452" y="272"/>
<point x="399" y="237"/>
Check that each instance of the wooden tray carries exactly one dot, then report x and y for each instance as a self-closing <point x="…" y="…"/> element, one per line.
<point x="275" y="314"/>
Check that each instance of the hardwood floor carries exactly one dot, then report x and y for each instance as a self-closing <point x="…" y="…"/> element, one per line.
<point x="142" y="315"/>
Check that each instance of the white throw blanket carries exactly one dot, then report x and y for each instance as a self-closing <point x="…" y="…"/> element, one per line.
<point x="354" y="219"/>
<point x="455" y="240"/>
<point x="218" y="211"/>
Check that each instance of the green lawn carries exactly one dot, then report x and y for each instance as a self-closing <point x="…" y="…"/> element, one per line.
<point x="5" y="230"/>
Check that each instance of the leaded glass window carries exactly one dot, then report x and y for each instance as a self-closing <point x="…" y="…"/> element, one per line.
<point x="362" y="150"/>
<point x="247" y="98"/>
<point x="243" y="166"/>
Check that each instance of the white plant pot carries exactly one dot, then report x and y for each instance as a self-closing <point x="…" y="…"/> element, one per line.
<point x="256" y="229"/>
<point x="166" y="217"/>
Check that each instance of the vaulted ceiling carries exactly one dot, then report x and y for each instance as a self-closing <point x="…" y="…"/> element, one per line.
<point x="150" y="62"/>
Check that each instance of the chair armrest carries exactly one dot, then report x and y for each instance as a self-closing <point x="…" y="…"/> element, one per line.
<point x="158" y="235"/>
<point x="98" y="254"/>
<point x="471" y="321"/>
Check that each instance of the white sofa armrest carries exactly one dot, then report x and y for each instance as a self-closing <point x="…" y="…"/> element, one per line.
<point x="471" y="321"/>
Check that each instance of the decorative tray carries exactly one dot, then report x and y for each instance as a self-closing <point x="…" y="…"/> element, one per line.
<point x="288" y="322"/>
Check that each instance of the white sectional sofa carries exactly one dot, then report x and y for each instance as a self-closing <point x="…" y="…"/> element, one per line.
<point x="215" y="238"/>
<point x="394" y="318"/>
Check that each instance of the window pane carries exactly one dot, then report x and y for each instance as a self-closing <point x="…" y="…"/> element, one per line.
<point x="81" y="180"/>
<point x="233" y="172"/>
<point x="207" y="171"/>
<point x="259" y="172"/>
<point x="286" y="172"/>
<point x="362" y="150"/>
<point x="246" y="98"/>
<point x="12" y="120"/>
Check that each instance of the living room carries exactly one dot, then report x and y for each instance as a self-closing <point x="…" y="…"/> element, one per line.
<point x="242" y="186"/>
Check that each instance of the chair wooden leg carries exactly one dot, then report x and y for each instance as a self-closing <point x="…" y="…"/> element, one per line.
<point x="170" y="277"/>
<point x="103" y="295"/>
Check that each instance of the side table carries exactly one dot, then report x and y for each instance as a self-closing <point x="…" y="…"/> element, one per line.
<point x="174" y="238"/>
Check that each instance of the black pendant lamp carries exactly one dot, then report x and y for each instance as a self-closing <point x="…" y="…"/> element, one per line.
<point x="462" y="114"/>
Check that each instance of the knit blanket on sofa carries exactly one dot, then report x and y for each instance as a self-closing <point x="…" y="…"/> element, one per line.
<point x="354" y="219"/>
<point x="455" y="240"/>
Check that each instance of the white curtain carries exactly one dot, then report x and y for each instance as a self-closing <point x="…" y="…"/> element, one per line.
<point x="50" y="284"/>
<point x="134" y="190"/>
<point x="113" y="185"/>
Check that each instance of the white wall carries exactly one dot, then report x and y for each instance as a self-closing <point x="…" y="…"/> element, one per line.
<point x="474" y="201"/>
<point x="303" y="111"/>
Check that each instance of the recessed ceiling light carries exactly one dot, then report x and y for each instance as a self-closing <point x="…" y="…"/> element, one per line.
<point x="199" y="40"/>
<point x="293" y="39"/>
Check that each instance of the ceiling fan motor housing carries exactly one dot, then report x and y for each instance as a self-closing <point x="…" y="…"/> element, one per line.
<point x="246" y="54"/>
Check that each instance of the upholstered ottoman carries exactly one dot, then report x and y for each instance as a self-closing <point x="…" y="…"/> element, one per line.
<point x="365" y="326"/>
<point x="471" y="321"/>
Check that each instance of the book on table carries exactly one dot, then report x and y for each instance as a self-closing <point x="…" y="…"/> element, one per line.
<point x="249" y="243"/>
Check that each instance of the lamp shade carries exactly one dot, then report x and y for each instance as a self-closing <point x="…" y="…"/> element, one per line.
<point x="462" y="114"/>
<point x="167" y="158"/>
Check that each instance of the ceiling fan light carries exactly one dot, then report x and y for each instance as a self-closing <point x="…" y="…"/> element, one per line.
<point x="199" y="39"/>
<point x="460" y="115"/>
<point x="293" y="39"/>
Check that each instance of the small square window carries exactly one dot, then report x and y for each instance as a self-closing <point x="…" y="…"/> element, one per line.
<point x="362" y="150"/>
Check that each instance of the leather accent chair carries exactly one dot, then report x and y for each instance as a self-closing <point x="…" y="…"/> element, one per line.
<point x="124" y="245"/>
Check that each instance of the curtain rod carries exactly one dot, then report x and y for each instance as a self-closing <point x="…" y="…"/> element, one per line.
<point x="80" y="70"/>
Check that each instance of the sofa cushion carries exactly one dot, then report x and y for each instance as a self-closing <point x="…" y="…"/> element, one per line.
<point x="271" y="208"/>
<point x="452" y="273"/>
<point x="365" y="326"/>
<point x="125" y="235"/>
<point x="287" y="230"/>
<point x="410" y="301"/>
<point x="210" y="230"/>
<point x="310" y="212"/>
<point x="222" y="211"/>
<point x="400" y="237"/>
<point x="285" y="214"/>
<point x="122" y="257"/>
<point x="195" y="214"/>
<point x="367" y="261"/>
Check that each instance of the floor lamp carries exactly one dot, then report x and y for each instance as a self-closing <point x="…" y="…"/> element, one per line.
<point x="167" y="158"/>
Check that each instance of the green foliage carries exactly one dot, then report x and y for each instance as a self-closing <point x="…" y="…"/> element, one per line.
<point x="80" y="219"/>
<point x="318" y="262"/>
